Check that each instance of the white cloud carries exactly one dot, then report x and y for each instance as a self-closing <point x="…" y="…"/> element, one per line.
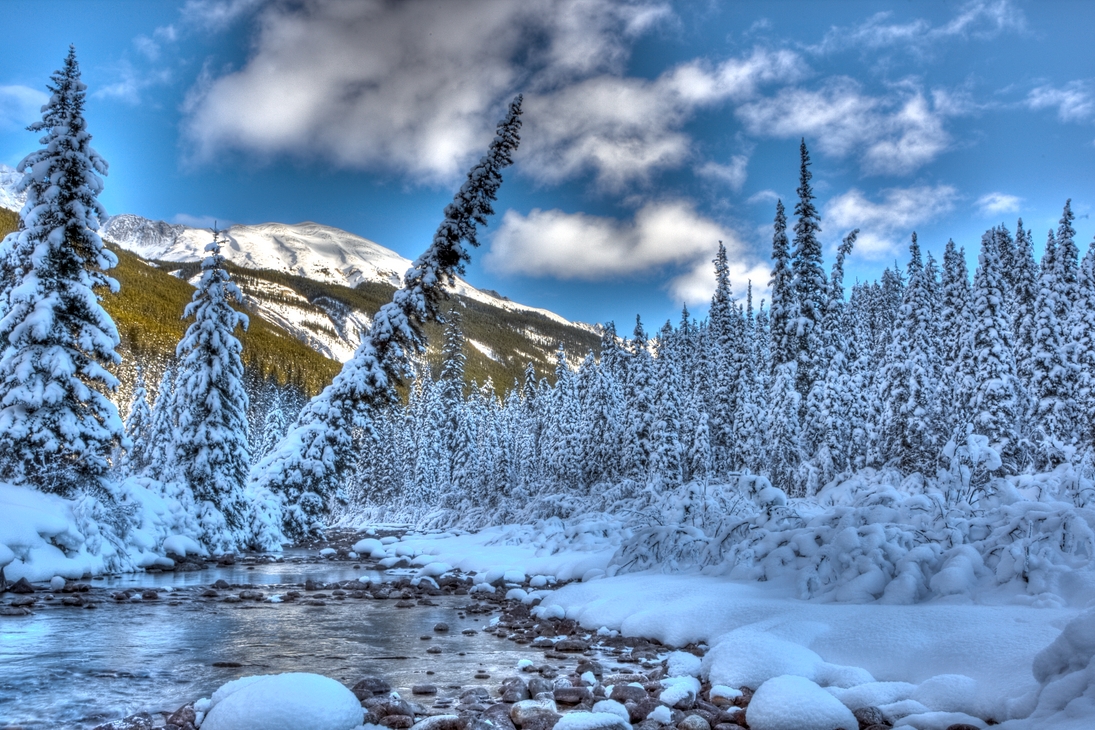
<point x="217" y="15"/>
<point x="623" y="129"/>
<point x="895" y="134"/>
<point x="981" y="19"/>
<point x="899" y="211"/>
<point x="414" y="86"/>
<point x="131" y="82"/>
<point x="1074" y="101"/>
<point x="20" y="105"/>
<point x="733" y="174"/>
<point x="698" y="285"/>
<point x="994" y="203"/>
<point x="763" y="196"/>
<point x="662" y="235"/>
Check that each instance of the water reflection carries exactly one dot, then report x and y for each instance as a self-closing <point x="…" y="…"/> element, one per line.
<point x="74" y="667"/>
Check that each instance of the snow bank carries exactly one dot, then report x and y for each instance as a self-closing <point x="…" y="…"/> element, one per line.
<point x="127" y="529"/>
<point x="293" y="701"/>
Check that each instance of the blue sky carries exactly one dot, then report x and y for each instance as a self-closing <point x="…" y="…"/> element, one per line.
<point x="652" y="130"/>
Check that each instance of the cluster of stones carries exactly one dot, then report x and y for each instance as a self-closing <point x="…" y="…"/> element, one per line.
<point x="26" y="596"/>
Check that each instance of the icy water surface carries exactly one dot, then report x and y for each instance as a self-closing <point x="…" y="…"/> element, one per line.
<point x="75" y="667"/>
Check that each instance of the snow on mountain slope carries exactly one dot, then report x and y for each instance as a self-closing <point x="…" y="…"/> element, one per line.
<point x="306" y="249"/>
<point x="8" y="197"/>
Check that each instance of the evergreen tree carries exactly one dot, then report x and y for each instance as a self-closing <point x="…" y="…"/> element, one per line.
<point x="305" y="469"/>
<point x="211" y="448"/>
<point x="784" y="443"/>
<point x="783" y="312"/>
<point x="138" y="427"/>
<point x="1083" y="338"/>
<point x="274" y="423"/>
<point x="1024" y="294"/>
<point x="160" y="446"/>
<point x="57" y="427"/>
<point x="911" y="377"/>
<point x="721" y="344"/>
<point x="954" y="323"/>
<point x="994" y="405"/>
<point x="640" y="406"/>
<point x="808" y="282"/>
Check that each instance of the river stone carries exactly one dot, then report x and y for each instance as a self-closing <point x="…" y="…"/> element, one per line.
<point x="695" y="722"/>
<point x="441" y="627"/>
<point x="626" y="693"/>
<point x="869" y="715"/>
<point x="536" y="685"/>
<point x="72" y="601"/>
<point x="222" y="584"/>
<point x="369" y="687"/>
<point x="183" y="717"/>
<point x="572" y="645"/>
<point x="962" y="726"/>
<point x="251" y="595"/>
<point x="424" y="689"/>
<point x="140" y="721"/>
<point x="639" y="710"/>
<point x="24" y="601"/>
<point x="572" y="695"/>
<point x="14" y="611"/>
<point x="21" y="586"/>
<point x="522" y="711"/>
<point x="399" y="722"/>
<point x="441" y="722"/>
<point x="404" y="604"/>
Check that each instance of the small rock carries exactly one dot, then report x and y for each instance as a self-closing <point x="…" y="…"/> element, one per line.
<point x="626" y="693"/>
<point x="870" y="715"/>
<point x="183" y="716"/>
<point x="404" y="604"/>
<point x="424" y="689"/>
<point x="21" y="586"/>
<point x="227" y="664"/>
<point x="149" y="595"/>
<point x="434" y="650"/>
<point x="500" y="716"/>
<point x="72" y="601"/>
<point x="221" y="584"/>
<point x="231" y="599"/>
<point x="441" y="722"/>
<point x="469" y="632"/>
<point x="251" y="595"/>
<point x="574" y="695"/>
<point x="23" y="601"/>
<point x="962" y="726"/>
<point x="140" y="721"/>
<point x="14" y="611"/>
<point x="441" y="627"/>
<point x="397" y="721"/>
<point x="370" y="687"/>
<point x="209" y="593"/>
<point x="693" y="722"/>
<point x="572" y="645"/>
<point x="482" y="675"/>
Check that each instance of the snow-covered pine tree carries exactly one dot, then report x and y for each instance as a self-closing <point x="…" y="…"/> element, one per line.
<point x="1024" y="295"/>
<point x="721" y="343"/>
<point x="783" y="312"/>
<point x="305" y="468"/>
<point x="457" y="435"/>
<point x="211" y="448"/>
<point x="808" y="282"/>
<point x="784" y="442"/>
<point x="750" y="426"/>
<point x="138" y="428"/>
<point x="274" y="422"/>
<point x="666" y="459"/>
<point x="954" y="323"/>
<point x="640" y="404"/>
<point x="994" y="406"/>
<point x="57" y="427"/>
<point x="910" y="381"/>
<point x="1047" y="363"/>
<point x="1083" y="339"/>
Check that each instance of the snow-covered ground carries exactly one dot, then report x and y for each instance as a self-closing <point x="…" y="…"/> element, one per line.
<point x="969" y="657"/>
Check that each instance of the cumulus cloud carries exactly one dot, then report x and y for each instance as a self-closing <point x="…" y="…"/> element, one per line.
<point x="893" y="134"/>
<point x="623" y="129"/>
<point x="882" y="223"/>
<point x="662" y="235"/>
<point x="20" y="105"/>
<point x="412" y="85"/>
<point x="994" y="203"/>
<point x="733" y="174"/>
<point x="200" y="221"/>
<point x="981" y="19"/>
<point x="1073" y="101"/>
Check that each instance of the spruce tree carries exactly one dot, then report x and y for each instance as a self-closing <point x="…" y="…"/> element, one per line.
<point x="305" y="469"/>
<point x="57" y="426"/>
<point x="783" y="312"/>
<point x="211" y="448"/>
<point x="1025" y="294"/>
<point x="954" y="323"/>
<point x="808" y="282"/>
<point x="994" y="405"/>
<point x="138" y="427"/>
<point x="1083" y="338"/>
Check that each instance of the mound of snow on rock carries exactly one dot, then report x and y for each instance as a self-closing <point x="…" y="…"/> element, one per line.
<point x="788" y="702"/>
<point x="293" y="701"/>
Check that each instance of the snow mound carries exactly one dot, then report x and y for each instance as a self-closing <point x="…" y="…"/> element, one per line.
<point x="678" y="689"/>
<point x="747" y="658"/>
<point x="795" y="703"/>
<point x="683" y="664"/>
<point x="293" y="701"/>
<point x="1065" y="671"/>
<point x="939" y="721"/>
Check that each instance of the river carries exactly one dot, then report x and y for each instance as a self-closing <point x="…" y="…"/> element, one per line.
<point x="73" y="667"/>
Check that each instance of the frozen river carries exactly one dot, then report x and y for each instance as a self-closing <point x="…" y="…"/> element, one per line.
<point x="64" y="666"/>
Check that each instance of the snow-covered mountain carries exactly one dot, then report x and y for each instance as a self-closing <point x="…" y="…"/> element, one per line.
<point x="314" y="251"/>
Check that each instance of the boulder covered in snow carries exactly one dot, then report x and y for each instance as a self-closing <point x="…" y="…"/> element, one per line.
<point x="788" y="702"/>
<point x="293" y="701"/>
